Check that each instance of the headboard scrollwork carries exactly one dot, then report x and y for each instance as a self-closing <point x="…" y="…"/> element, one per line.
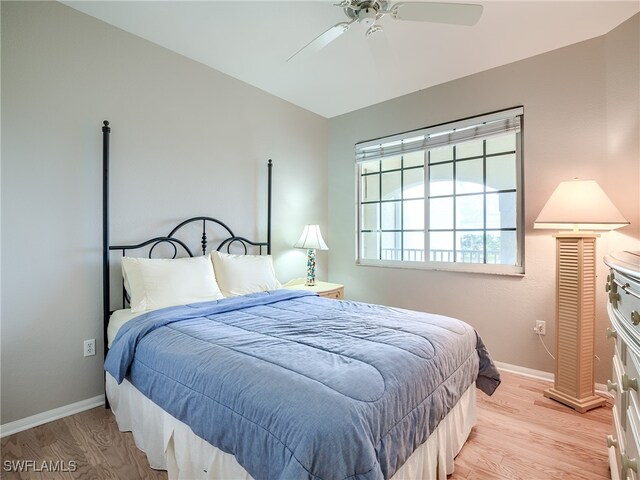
<point x="154" y="242"/>
<point x="171" y="239"/>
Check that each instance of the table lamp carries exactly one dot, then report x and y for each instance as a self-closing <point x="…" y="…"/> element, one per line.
<point x="579" y="206"/>
<point x="311" y="239"/>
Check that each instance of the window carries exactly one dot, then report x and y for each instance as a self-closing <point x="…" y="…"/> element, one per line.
<point x="446" y="197"/>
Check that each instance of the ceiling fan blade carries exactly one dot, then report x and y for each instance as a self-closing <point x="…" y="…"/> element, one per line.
<point x="321" y="40"/>
<point x="454" y="13"/>
<point x="381" y="53"/>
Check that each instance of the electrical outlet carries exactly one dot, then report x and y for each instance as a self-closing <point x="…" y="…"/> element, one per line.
<point x="89" y="347"/>
<point x="541" y="327"/>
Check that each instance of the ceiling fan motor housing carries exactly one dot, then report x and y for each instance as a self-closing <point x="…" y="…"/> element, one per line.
<point x="366" y="12"/>
<point x="367" y="16"/>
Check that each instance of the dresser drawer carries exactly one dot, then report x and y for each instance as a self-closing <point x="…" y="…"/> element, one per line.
<point x="629" y="460"/>
<point x="615" y="442"/>
<point x="629" y="382"/>
<point x="620" y="347"/>
<point x="624" y="297"/>
<point x="620" y="396"/>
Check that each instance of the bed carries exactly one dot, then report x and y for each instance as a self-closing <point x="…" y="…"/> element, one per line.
<point x="253" y="381"/>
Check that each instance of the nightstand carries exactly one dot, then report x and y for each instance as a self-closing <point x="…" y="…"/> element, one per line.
<point x="324" y="289"/>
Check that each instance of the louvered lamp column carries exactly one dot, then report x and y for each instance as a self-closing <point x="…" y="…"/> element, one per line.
<point x="575" y="321"/>
<point x="578" y="205"/>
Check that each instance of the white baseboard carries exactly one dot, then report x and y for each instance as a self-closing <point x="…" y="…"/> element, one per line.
<point x="527" y="372"/>
<point x="540" y="375"/>
<point x="49" y="416"/>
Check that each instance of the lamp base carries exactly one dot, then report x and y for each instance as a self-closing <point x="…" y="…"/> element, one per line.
<point x="311" y="267"/>
<point x="580" y="405"/>
<point x="575" y="322"/>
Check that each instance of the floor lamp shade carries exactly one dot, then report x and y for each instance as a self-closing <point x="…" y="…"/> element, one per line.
<point x="577" y="205"/>
<point x="580" y="205"/>
<point x="312" y="240"/>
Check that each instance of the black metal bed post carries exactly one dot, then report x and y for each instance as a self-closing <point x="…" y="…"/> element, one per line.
<point x="106" y="298"/>
<point x="269" y="167"/>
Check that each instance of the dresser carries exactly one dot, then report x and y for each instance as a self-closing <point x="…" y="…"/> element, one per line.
<point x="623" y="306"/>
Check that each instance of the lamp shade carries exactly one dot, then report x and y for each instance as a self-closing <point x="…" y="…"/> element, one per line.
<point x="311" y="238"/>
<point x="580" y="205"/>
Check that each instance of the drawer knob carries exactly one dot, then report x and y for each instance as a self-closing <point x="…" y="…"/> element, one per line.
<point x="614" y="298"/>
<point x="611" y="442"/>
<point x="629" y="463"/>
<point x="629" y="383"/>
<point x="612" y="386"/>
<point x="635" y="317"/>
<point x="611" y="333"/>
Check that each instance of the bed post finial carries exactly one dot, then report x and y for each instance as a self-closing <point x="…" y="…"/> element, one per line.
<point x="106" y="127"/>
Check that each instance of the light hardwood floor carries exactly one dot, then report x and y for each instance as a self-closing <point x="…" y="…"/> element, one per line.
<point x="522" y="435"/>
<point x="519" y="435"/>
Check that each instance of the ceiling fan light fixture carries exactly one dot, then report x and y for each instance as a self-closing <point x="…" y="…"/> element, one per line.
<point x="373" y="29"/>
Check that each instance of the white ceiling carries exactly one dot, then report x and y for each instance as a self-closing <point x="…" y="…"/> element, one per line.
<point x="251" y="41"/>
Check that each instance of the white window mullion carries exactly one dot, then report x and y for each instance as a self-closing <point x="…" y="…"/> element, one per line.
<point x="427" y="256"/>
<point x="519" y="202"/>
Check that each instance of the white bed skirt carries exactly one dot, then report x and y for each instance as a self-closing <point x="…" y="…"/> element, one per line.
<point x="171" y="445"/>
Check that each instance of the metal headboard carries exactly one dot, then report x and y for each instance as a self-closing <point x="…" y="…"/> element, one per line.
<point x="176" y="243"/>
<point x="171" y="239"/>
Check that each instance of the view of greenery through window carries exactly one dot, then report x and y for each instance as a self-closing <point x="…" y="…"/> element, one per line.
<point x="466" y="214"/>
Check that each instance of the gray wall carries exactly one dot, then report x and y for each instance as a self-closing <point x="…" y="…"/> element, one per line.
<point x="581" y="120"/>
<point x="187" y="140"/>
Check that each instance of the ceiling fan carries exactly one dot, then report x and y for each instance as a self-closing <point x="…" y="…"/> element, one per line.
<point x="368" y="12"/>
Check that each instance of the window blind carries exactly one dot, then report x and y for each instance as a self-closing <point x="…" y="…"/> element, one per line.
<point x="440" y="135"/>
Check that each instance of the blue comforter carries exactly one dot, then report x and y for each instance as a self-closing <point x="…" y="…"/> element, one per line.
<point x="302" y="387"/>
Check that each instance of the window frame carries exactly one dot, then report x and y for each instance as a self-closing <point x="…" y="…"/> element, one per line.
<point x="426" y="264"/>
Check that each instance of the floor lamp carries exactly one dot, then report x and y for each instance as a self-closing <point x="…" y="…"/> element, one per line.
<point x="581" y="206"/>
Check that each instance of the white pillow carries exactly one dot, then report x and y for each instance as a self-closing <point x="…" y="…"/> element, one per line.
<point x="160" y="282"/>
<point x="243" y="274"/>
